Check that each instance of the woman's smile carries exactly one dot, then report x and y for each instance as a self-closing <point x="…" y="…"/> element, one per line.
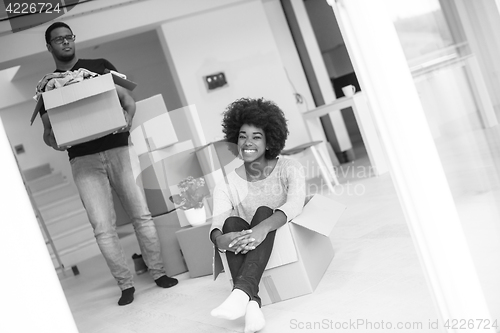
<point x="251" y="143"/>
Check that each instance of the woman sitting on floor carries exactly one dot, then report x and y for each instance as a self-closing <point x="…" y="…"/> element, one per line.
<point x="256" y="199"/>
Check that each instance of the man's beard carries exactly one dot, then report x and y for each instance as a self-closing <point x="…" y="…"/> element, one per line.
<point x="65" y="58"/>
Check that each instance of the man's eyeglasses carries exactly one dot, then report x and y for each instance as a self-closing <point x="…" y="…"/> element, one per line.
<point x="61" y="39"/>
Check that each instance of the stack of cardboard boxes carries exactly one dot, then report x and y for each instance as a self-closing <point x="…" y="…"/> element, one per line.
<point x="155" y="141"/>
<point x="165" y="161"/>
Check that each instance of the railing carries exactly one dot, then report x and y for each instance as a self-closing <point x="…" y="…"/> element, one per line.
<point x="457" y="53"/>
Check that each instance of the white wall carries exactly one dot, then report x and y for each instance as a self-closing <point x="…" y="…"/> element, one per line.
<point x="238" y="41"/>
<point x="15" y="92"/>
<point x="26" y="294"/>
<point x="141" y="58"/>
<point x="19" y="131"/>
<point x="288" y="53"/>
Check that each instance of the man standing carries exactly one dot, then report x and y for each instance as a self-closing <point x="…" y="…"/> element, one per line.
<point x="102" y="164"/>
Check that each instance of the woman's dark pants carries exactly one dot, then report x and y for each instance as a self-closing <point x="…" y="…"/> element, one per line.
<point x="246" y="269"/>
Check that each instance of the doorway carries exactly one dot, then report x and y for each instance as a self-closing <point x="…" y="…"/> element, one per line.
<point x="340" y="74"/>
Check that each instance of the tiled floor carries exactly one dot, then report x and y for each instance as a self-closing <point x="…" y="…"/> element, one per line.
<point x="375" y="278"/>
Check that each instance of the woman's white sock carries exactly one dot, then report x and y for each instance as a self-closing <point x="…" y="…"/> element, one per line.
<point x="233" y="307"/>
<point x="254" y="318"/>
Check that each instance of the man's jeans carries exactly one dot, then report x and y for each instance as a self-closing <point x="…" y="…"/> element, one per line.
<point x="94" y="176"/>
<point x="247" y="269"/>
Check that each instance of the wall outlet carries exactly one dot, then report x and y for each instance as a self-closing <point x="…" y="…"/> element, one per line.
<point x="214" y="81"/>
<point x="19" y="149"/>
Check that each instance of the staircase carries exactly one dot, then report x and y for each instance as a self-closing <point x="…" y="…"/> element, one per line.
<point x="63" y="220"/>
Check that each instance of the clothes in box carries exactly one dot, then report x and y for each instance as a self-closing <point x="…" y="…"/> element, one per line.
<point x="302" y="250"/>
<point x="196" y="249"/>
<point x="84" y="111"/>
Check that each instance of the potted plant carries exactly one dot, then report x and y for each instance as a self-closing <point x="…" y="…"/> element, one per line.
<point x="190" y="199"/>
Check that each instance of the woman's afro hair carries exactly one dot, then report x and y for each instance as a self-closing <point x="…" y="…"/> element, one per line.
<point x="259" y="113"/>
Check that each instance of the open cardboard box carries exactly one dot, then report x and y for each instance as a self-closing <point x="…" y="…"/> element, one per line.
<point x="302" y="252"/>
<point x="121" y="80"/>
<point x="196" y="248"/>
<point x="160" y="171"/>
<point x="166" y="226"/>
<point x="83" y="111"/>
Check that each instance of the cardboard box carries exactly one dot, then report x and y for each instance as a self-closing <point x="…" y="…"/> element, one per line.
<point x="158" y="169"/>
<point x="162" y="170"/>
<point x="121" y="80"/>
<point x="302" y="250"/>
<point x="197" y="249"/>
<point x="83" y="111"/>
<point x="166" y="226"/>
<point x="152" y="128"/>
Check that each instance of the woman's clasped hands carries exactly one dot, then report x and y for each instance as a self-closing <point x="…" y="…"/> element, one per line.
<point x="237" y="242"/>
<point x="241" y="241"/>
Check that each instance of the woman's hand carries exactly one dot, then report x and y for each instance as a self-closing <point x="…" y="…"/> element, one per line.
<point x="234" y="241"/>
<point x="249" y="241"/>
<point x="259" y="234"/>
<point x="241" y="244"/>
